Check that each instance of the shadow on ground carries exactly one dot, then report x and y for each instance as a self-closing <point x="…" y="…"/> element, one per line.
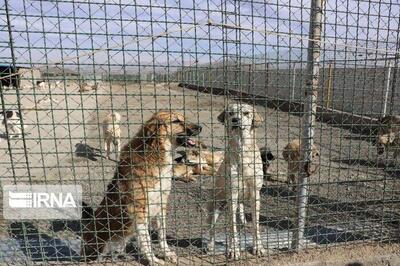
<point x="391" y="168"/>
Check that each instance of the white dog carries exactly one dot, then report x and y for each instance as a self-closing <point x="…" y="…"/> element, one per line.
<point x="112" y="133"/>
<point x="11" y="119"/>
<point x="240" y="176"/>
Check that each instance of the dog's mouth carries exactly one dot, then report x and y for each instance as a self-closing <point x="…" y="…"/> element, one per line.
<point x="186" y="141"/>
<point x="235" y="126"/>
<point x="380" y="150"/>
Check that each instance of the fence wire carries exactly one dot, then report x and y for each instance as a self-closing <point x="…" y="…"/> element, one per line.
<point x="87" y="89"/>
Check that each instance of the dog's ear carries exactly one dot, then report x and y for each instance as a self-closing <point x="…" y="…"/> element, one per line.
<point x="221" y="117"/>
<point x="154" y="128"/>
<point x="257" y="120"/>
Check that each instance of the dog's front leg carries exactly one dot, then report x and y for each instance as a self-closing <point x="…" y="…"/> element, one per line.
<point x="117" y="145"/>
<point x="258" y="248"/>
<point x="213" y="211"/>
<point x="144" y="241"/>
<point x="107" y="148"/>
<point x="242" y="215"/>
<point x="233" y="249"/>
<point x="162" y="227"/>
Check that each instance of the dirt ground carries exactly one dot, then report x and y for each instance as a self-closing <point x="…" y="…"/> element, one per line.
<point x="354" y="197"/>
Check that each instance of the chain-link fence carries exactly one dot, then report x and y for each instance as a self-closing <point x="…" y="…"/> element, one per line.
<point x="284" y="126"/>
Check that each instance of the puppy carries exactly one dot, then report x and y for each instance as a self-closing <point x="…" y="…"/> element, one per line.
<point x="267" y="157"/>
<point x="140" y="190"/>
<point x="292" y="154"/>
<point x="240" y="176"/>
<point x="389" y="135"/>
<point x="112" y="133"/>
<point x="11" y="119"/>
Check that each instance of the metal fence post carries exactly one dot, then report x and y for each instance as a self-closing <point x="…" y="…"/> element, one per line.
<point x="387" y="87"/>
<point x="294" y="80"/>
<point x="310" y="108"/>
<point x="329" y="86"/>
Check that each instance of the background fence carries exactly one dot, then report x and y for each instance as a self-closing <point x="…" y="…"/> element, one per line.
<point x="66" y="64"/>
<point x="356" y="86"/>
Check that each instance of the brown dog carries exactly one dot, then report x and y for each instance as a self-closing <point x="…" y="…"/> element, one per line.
<point x="292" y="154"/>
<point x="140" y="189"/>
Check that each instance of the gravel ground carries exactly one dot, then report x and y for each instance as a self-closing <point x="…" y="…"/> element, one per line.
<point x="355" y="196"/>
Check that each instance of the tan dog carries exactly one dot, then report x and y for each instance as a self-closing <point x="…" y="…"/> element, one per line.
<point x="390" y="141"/>
<point x="112" y="133"/>
<point x="389" y="135"/>
<point x="240" y="176"/>
<point x="140" y="190"/>
<point x="204" y="162"/>
<point x="292" y="154"/>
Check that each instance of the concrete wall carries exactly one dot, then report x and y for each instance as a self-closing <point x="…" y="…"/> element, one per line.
<point x="359" y="90"/>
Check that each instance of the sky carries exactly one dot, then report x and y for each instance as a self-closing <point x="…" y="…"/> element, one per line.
<point x="45" y="32"/>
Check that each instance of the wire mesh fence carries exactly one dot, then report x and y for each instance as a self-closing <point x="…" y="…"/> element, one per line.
<point x="86" y="93"/>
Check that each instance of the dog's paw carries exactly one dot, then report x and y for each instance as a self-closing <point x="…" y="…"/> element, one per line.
<point x="211" y="247"/>
<point x="234" y="253"/>
<point x="171" y="257"/>
<point x="153" y="260"/>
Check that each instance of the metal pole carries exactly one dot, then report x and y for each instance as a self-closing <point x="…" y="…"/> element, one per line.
<point x="388" y="74"/>
<point x="3" y="106"/>
<point x="294" y="80"/>
<point x="329" y="86"/>
<point x="250" y="80"/>
<point x="313" y="57"/>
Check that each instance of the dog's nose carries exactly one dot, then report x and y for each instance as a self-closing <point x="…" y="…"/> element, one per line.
<point x="235" y="120"/>
<point x="198" y="128"/>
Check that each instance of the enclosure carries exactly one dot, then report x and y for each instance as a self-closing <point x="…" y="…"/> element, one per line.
<point x="81" y="60"/>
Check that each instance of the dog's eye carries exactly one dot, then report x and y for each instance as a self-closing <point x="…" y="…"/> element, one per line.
<point x="230" y="113"/>
<point x="246" y="113"/>
<point x="176" y="121"/>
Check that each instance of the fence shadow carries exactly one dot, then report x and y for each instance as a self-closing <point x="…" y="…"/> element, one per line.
<point x="355" y="209"/>
<point x="361" y="162"/>
<point x="40" y="247"/>
<point x="323" y="235"/>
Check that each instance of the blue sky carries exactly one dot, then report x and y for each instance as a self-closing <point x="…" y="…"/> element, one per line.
<point x="47" y="31"/>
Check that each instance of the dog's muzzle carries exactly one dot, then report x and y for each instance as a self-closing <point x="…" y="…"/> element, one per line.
<point x="235" y="123"/>
<point x="185" y="140"/>
<point x="380" y="149"/>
